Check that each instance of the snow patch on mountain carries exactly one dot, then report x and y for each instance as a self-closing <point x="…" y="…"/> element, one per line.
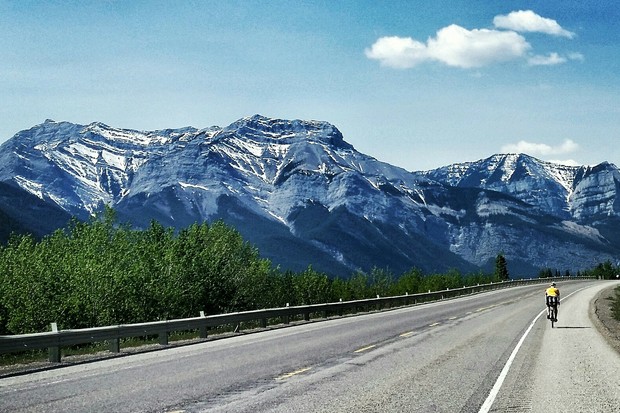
<point x="34" y="188"/>
<point x="582" y="230"/>
<point x="486" y="208"/>
<point x="185" y="185"/>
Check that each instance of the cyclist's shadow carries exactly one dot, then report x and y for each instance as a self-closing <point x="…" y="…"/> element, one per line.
<point x="571" y="327"/>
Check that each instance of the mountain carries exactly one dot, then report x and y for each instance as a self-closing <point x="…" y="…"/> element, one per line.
<point x="585" y="194"/>
<point x="304" y="196"/>
<point x="582" y="202"/>
<point x="21" y="213"/>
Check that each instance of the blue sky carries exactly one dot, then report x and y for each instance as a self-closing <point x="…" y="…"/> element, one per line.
<point x="418" y="84"/>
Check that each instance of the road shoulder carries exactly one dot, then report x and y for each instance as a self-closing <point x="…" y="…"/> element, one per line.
<point x="602" y="317"/>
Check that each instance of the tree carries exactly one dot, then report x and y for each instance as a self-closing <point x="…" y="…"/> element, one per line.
<point x="381" y="281"/>
<point x="501" y="268"/>
<point x="409" y="282"/>
<point x="311" y="287"/>
<point x="605" y="271"/>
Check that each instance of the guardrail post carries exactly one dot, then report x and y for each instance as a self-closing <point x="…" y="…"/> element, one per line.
<point x="202" y="331"/>
<point x="285" y="318"/>
<point x="306" y="315"/>
<point x="163" y="338"/>
<point x="115" y="344"/>
<point x="54" y="352"/>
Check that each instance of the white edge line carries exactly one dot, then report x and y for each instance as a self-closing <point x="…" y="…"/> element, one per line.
<point x="486" y="406"/>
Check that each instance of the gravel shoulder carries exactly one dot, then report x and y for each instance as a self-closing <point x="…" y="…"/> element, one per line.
<point x="602" y="317"/>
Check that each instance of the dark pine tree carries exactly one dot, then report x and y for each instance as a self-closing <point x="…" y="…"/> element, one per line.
<point x="501" y="268"/>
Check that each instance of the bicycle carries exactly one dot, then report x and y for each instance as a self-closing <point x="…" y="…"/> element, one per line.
<point x="553" y="312"/>
<point x="552" y="303"/>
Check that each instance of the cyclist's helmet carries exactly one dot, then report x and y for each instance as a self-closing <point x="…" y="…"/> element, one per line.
<point x="553" y="284"/>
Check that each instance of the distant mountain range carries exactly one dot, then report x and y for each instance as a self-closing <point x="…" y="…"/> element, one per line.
<point x="304" y="196"/>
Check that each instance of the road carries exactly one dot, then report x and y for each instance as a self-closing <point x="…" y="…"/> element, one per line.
<point x="481" y="353"/>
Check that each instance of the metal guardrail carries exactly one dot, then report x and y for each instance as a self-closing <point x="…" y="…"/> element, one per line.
<point x="57" y="339"/>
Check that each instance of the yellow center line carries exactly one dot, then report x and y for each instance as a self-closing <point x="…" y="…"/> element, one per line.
<point x="407" y="334"/>
<point x="289" y="375"/>
<point x="364" y="348"/>
<point x="452" y="318"/>
<point x="434" y="324"/>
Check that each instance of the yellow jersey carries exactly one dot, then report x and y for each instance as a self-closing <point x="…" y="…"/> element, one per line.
<point x="552" y="292"/>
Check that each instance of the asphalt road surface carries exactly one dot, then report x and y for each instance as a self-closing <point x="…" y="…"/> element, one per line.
<point x="488" y="352"/>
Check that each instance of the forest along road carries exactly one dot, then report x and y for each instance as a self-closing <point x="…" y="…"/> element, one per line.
<point x="452" y="356"/>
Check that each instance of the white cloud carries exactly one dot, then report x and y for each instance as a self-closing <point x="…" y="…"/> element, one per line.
<point x="528" y="21"/>
<point x="453" y="46"/>
<point x="541" y="149"/>
<point x="398" y="52"/>
<point x="459" y="47"/>
<point x="550" y="60"/>
<point x="553" y="59"/>
<point x="576" y="56"/>
<point x="456" y="46"/>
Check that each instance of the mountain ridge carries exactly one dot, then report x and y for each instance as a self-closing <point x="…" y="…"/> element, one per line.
<point x="305" y="196"/>
<point x="564" y="183"/>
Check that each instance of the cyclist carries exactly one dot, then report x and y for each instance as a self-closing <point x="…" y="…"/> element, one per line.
<point x="552" y="297"/>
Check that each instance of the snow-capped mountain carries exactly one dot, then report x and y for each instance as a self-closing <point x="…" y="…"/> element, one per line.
<point x="583" y="199"/>
<point x="585" y="194"/>
<point x="304" y="196"/>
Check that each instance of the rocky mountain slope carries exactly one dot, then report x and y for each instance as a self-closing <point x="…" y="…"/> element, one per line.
<point x="304" y="196"/>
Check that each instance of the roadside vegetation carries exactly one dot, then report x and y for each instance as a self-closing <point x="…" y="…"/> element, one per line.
<point x="101" y="273"/>
<point x="602" y="271"/>
<point x="615" y="304"/>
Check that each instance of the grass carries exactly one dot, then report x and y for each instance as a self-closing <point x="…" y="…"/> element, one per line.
<point x="615" y="304"/>
<point x="24" y="357"/>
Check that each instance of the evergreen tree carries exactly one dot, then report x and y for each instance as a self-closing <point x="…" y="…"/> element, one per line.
<point x="605" y="271"/>
<point x="501" y="268"/>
